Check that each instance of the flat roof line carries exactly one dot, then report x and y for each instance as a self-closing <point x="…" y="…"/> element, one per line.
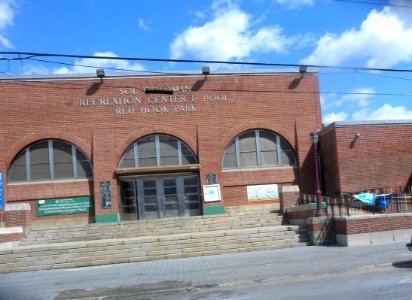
<point x="120" y="75"/>
<point x="361" y="123"/>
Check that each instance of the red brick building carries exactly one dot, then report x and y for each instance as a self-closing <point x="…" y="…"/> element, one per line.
<point x="151" y="146"/>
<point x="362" y="155"/>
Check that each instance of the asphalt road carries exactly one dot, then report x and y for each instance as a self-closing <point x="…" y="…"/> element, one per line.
<point x="371" y="272"/>
<point x="369" y="283"/>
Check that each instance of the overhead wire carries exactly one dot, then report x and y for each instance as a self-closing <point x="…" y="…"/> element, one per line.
<point x="98" y="67"/>
<point x="373" y="3"/>
<point x="81" y="86"/>
<point x="267" y="64"/>
<point x="365" y="73"/>
<point x="371" y="71"/>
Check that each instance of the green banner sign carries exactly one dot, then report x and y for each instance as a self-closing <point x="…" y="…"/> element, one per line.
<point x="64" y="206"/>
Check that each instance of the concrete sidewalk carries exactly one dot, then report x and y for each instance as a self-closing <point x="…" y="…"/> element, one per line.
<point x="198" y="272"/>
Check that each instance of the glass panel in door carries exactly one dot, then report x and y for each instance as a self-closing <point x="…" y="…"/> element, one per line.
<point x="149" y="208"/>
<point x="128" y="200"/>
<point x="170" y="197"/>
<point x="191" y="196"/>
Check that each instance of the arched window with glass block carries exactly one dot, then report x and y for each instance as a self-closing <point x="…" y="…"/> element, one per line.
<point x="157" y="150"/>
<point x="49" y="160"/>
<point x="258" y="149"/>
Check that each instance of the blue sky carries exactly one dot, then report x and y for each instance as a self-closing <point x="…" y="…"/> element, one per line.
<point x="314" y="32"/>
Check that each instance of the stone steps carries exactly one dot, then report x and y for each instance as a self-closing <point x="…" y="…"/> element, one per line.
<point x="143" y="248"/>
<point x="87" y="232"/>
<point x="123" y="242"/>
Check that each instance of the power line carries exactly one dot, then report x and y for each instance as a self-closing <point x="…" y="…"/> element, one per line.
<point x="30" y="56"/>
<point x="266" y="64"/>
<point x="373" y="3"/>
<point x="81" y="86"/>
<point x="366" y="73"/>
<point x="180" y="73"/>
<point x="97" y="67"/>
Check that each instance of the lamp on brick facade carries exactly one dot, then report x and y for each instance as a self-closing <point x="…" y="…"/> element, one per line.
<point x="205" y="71"/>
<point x="302" y="70"/>
<point x="100" y="73"/>
<point x="314" y="137"/>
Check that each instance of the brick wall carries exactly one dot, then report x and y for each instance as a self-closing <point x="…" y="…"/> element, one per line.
<point x="321" y="230"/>
<point x="379" y="158"/>
<point x="373" y="224"/>
<point x="218" y="110"/>
<point x="10" y="235"/>
<point x="329" y="163"/>
<point x="289" y="197"/>
<point x="373" y="229"/>
<point x="18" y="215"/>
<point x="2" y="219"/>
<point x="298" y="215"/>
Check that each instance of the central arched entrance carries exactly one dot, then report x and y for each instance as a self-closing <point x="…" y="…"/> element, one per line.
<point x="160" y="197"/>
<point x="158" y="178"/>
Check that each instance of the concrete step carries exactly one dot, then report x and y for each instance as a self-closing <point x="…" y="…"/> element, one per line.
<point x="167" y="226"/>
<point x="144" y="248"/>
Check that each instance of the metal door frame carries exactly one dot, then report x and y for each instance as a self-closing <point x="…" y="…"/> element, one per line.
<point x="160" y="196"/>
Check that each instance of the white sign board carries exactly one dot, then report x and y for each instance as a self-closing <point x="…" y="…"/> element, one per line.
<point x="211" y="193"/>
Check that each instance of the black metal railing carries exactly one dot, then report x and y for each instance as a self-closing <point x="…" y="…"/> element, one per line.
<point x="385" y="201"/>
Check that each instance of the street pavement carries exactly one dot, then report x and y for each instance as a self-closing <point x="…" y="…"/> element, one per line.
<point x="252" y="275"/>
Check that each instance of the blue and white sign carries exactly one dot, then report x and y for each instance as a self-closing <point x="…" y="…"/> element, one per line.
<point x="1" y="190"/>
<point x="262" y="192"/>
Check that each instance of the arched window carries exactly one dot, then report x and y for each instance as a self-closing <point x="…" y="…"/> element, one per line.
<point x="157" y="150"/>
<point x="258" y="149"/>
<point x="49" y="160"/>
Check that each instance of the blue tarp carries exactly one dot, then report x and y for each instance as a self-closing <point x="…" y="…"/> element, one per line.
<point x="367" y="198"/>
<point x="382" y="200"/>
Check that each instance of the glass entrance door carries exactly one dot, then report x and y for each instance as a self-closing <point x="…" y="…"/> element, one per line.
<point x="162" y="197"/>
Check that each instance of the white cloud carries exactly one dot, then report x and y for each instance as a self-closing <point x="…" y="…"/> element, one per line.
<point x="293" y="4"/>
<point x="361" y="115"/>
<point x="7" y="8"/>
<point x="402" y="9"/>
<point x="80" y="65"/>
<point x="333" y="117"/>
<point x="35" y="69"/>
<point x="228" y="36"/>
<point x="199" y="14"/>
<point x="385" y="112"/>
<point x="6" y="13"/>
<point x="5" y="42"/>
<point x="383" y="39"/>
<point x="143" y="25"/>
<point x="360" y="97"/>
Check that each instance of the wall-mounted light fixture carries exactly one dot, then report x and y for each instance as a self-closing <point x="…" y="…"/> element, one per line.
<point x="302" y="70"/>
<point x="357" y="136"/>
<point x="205" y="71"/>
<point x="100" y="73"/>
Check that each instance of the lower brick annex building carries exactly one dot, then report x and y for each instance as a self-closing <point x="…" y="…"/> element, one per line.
<point x="85" y="149"/>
